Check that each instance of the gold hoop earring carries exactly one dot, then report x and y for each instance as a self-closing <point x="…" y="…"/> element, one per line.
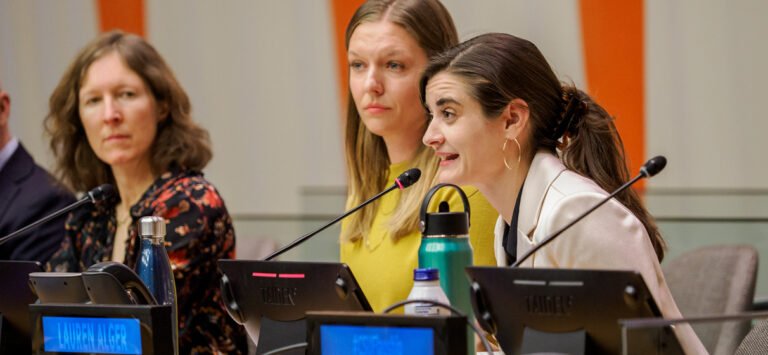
<point x="504" y="152"/>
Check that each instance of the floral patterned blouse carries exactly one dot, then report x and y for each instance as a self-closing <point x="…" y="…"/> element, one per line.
<point x="199" y="232"/>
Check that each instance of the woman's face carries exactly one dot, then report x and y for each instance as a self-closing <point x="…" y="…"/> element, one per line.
<point x="468" y="143"/>
<point x="118" y="111"/>
<point x="385" y="65"/>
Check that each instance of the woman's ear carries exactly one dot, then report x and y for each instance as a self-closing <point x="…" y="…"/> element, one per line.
<point x="515" y="117"/>
<point x="162" y="111"/>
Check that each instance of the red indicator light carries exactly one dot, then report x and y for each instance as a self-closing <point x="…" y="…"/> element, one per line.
<point x="291" y="276"/>
<point x="263" y="274"/>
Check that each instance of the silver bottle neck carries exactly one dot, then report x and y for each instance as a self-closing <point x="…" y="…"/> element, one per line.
<point x="445" y="236"/>
<point x="152" y="227"/>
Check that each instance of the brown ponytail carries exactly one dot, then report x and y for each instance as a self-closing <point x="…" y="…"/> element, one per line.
<point x="499" y="68"/>
<point x="593" y="148"/>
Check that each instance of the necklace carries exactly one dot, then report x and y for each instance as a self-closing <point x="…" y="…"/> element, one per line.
<point x="122" y="234"/>
<point x="367" y="243"/>
<point x="124" y="219"/>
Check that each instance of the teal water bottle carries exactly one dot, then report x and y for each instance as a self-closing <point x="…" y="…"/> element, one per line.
<point x="445" y="246"/>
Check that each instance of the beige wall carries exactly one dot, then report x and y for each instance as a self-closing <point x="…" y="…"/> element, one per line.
<point x="260" y="74"/>
<point x="554" y="26"/>
<point x="706" y="91"/>
<point x="37" y="41"/>
<point x="262" y="79"/>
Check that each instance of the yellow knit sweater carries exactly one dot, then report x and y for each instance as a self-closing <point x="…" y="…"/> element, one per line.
<point x="384" y="269"/>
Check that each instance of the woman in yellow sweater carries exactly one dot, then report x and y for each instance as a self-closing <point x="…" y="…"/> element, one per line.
<point x="388" y="43"/>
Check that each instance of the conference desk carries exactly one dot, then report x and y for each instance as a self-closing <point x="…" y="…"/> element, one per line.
<point x="252" y="306"/>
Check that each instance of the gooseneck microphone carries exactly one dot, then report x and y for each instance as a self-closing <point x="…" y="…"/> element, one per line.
<point x="651" y="168"/>
<point x="99" y="193"/>
<point x="405" y="179"/>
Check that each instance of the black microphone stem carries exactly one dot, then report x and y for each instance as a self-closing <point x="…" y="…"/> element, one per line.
<point x="34" y="225"/>
<point x="310" y="235"/>
<point x="551" y="237"/>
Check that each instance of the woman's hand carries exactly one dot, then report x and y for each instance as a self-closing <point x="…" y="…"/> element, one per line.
<point x="491" y="340"/>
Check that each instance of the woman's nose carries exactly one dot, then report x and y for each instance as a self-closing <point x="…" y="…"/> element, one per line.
<point x="433" y="137"/>
<point x="112" y="111"/>
<point x="373" y="82"/>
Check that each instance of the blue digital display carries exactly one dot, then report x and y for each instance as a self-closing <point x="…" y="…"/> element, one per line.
<point x="369" y="340"/>
<point x="92" y="335"/>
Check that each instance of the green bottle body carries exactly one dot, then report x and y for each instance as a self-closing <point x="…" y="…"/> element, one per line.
<point x="451" y="255"/>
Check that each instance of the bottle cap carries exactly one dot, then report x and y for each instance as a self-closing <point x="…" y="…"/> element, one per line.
<point x="152" y="226"/>
<point x="426" y="274"/>
<point x="444" y="222"/>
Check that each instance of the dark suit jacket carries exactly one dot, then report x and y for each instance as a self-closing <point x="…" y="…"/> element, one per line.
<point x="28" y="193"/>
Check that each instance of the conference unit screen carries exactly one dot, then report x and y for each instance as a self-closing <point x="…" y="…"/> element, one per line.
<point x="92" y="335"/>
<point x="358" y="339"/>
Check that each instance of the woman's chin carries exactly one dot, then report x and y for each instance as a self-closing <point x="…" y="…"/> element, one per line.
<point x="122" y="162"/>
<point x="449" y="177"/>
<point x="116" y="162"/>
<point x="378" y="126"/>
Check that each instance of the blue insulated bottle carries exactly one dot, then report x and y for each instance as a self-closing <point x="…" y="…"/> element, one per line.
<point x="445" y="246"/>
<point x="154" y="267"/>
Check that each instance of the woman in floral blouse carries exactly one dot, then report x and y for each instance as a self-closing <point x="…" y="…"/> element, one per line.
<point x="119" y="116"/>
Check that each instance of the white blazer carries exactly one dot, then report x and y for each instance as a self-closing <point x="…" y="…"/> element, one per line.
<point x="610" y="238"/>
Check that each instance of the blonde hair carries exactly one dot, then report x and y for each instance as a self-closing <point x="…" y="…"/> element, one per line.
<point x="430" y="24"/>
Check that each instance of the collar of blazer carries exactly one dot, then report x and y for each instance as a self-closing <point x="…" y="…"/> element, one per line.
<point x="18" y="167"/>
<point x="545" y="168"/>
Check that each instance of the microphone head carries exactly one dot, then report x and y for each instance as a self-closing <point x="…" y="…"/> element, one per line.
<point x="101" y="193"/>
<point x="653" y="166"/>
<point x="409" y="177"/>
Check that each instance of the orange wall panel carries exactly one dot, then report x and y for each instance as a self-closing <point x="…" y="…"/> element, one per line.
<point x="342" y="13"/>
<point x="613" y="48"/>
<point x="126" y="15"/>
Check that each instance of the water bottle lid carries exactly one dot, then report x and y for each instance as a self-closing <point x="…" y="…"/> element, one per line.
<point x="152" y="226"/>
<point x="426" y="274"/>
<point x="444" y="222"/>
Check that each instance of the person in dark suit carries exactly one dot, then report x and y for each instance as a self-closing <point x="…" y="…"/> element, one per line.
<point x="27" y="193"/>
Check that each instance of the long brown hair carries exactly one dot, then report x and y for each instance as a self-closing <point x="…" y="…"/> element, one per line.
<point x="499" y="68"/>
<point x="430" y="24"/>
<point x="179" y="141"/>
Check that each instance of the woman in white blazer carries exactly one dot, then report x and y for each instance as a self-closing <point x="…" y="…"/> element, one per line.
<point x="499" y="117"/>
